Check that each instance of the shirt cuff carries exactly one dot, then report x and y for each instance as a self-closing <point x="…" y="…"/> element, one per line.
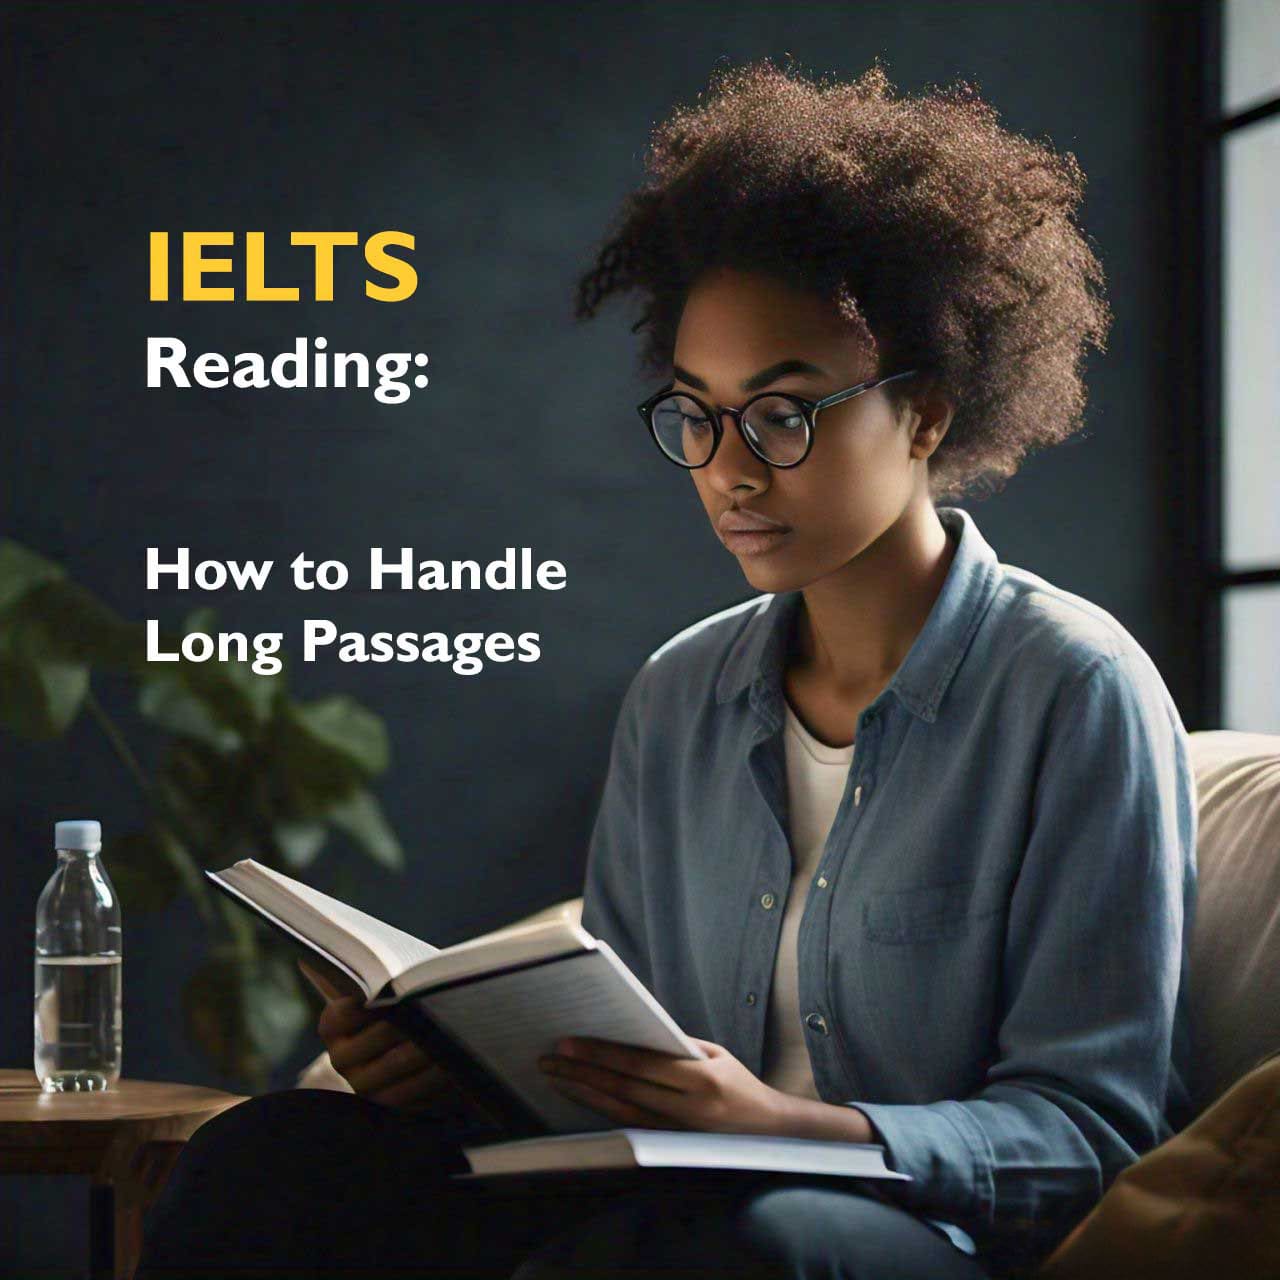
<point x="941" y="1149"/>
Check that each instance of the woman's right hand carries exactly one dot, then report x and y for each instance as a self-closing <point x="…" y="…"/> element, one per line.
<point x="378" y="1060"/>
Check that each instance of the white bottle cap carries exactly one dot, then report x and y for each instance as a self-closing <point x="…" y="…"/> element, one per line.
<point x="78" y="833"/>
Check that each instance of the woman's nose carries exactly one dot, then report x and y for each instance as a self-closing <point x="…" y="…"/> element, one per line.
<point x="733" y="461"/>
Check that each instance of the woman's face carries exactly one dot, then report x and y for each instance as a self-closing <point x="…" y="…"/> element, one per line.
<point x="862" y="471"/>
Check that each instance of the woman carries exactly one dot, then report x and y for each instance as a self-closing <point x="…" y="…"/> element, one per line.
<point x="906" y="839"/>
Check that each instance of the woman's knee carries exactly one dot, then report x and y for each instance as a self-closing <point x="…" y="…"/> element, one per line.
<point x="833" y="1232"/>
<point x="311" y="1133"/>
<point x="263" y="1127"/>
<point x="756" y="1232"/>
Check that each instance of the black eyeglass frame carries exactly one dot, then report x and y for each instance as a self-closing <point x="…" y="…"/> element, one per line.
<point x="808" y="408"/>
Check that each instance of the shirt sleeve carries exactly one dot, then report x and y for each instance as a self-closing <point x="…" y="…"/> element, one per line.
<point x="613" y="897"/>
<point x="1095" y="952"/>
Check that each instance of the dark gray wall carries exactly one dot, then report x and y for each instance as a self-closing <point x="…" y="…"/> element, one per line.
<point x="502" y="137"/>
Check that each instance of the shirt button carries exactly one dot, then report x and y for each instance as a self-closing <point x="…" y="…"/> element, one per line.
<point x="817" y="1022"/>
<point x="767" y="900"/>
<point x="822" y="882"/>
<point x="857" y="794"/>
<point x="751" y="997"/>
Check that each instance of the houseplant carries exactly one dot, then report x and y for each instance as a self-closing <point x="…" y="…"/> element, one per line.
<point x="240" y="769"/>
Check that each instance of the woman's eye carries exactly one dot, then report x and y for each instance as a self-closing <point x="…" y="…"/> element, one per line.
<point x="784" y="422"/>
<point x="693" y="424"/>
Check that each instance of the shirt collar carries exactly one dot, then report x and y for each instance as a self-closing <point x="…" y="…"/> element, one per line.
<point x="921" y="680"/>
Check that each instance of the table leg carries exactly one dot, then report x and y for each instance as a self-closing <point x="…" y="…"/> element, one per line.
<point x="102" y="1242"/>
<point x="117" y="1209"/>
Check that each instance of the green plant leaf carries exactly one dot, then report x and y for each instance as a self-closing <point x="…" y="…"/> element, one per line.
<point x="245" y="1012"/>
<point x="258" y="694"/>
<point x="318" y="754"/>
<point x="342" y="726"/>
<point x="21" y="570"/>
<point x="196" y="790"/>
<point x="142" y="868"/>
<point x="214" y="1015"/>
<point x="276" y="1012"/>
<point x="202" y="618"/>
<point x="66" y="621"/>
<point x="231" y="698"/>
<point x="360" y="816"/>
<point x="167" y="700"/>
<point x="198" y="821"/>
<point x="208" y="800"/>
<point x="305" y="776"/>
<point x="299" y="842"/>
<point x="200" y="699"/>
<point x="39" y="700"/>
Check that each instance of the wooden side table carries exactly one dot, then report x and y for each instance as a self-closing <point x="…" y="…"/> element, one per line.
<point x="126" y="1139"/>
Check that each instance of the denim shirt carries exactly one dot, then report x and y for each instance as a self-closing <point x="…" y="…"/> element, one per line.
<point x="992" y="955"/>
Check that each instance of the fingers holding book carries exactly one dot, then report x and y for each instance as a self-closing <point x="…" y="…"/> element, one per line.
<point x="378" y="1060"/>
<point x="354" y="1037"/>
<point x="369" y="1051"/>
<point x="641" y="1088"/>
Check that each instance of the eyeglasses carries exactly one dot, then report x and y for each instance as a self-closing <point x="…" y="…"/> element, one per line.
<point x="777" y="428"/>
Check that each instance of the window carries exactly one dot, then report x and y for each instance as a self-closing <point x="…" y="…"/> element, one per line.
<point x="1217" y="428"/>
<point x="1246" y="135"/>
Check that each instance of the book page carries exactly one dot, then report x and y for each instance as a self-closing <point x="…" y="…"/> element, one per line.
<point x="509" y="1020"/>
<point x="346" y="974"/>
<point x="515" y="944"/>
<point x="392" y="949"/>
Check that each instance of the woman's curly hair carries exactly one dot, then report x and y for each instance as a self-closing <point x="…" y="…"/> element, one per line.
<point x="927" y="225"/>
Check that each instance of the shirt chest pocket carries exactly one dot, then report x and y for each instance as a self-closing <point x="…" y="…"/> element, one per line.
<point x="923" y="913"/>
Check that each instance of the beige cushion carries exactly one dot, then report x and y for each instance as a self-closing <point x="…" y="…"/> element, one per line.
<point x="1235" y="938"/>
<point x="318" y="1074"/>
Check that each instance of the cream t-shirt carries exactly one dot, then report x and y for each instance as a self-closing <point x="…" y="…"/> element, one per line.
<point x="816" y="775"/>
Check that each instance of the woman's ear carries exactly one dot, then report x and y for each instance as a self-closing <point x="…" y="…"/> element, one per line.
<point x="933" y="412"/>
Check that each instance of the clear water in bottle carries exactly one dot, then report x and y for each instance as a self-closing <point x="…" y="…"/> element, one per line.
<point x="78" y="1022"/>
<point x="78" y="967"/>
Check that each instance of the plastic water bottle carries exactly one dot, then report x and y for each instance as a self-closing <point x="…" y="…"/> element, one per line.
<point x="78" y="967"/>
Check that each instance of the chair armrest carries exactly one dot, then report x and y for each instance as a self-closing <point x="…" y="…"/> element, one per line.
<point x="319" y="1074"/>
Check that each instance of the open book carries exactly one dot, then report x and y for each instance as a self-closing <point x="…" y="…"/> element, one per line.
<point x="487" y="1008"/>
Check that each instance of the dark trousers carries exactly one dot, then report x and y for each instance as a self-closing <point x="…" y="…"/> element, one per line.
<point x="309" y="1183"/>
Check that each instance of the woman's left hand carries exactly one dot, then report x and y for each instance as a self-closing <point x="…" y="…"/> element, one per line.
<point x="641" y="1088"/>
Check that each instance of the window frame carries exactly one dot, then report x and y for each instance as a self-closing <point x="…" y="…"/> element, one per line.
<point x="1192" y="476"/>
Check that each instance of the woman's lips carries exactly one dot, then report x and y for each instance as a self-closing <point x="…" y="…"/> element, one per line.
<point x="753" y="542"/>
<point x="748" y="533"/>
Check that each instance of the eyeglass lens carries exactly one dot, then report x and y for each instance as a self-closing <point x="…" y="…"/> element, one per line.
<point x="774" y="425"/>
